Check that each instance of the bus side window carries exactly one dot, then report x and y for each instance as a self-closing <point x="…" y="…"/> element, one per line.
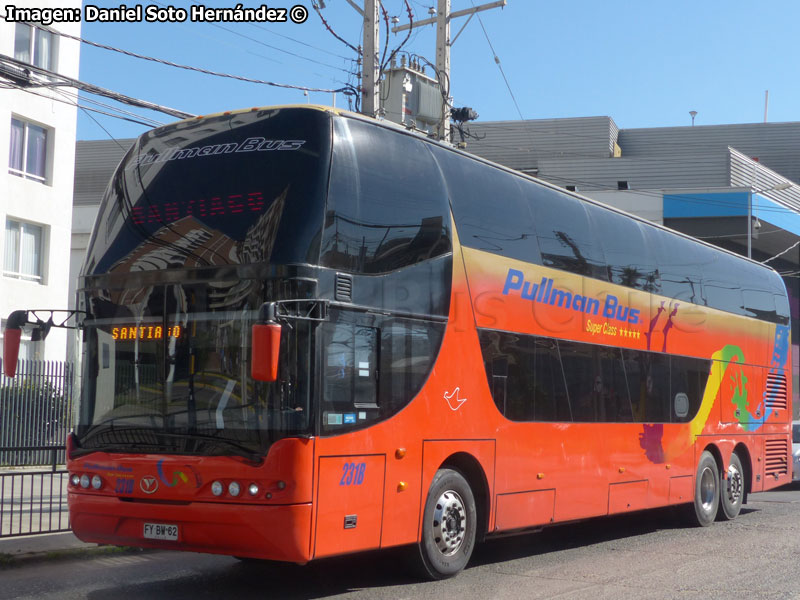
<point x="387" y="205"/>
<point x="507" y="227"/>
<point x="722" y="283"/>
<point x="625" y="250"/>
<point x="680" y="265"/>
<point x="550" y="401"/>
<point x="525" y="376"/>
<point x="408" y="350"/>
<point x="759" y="304"/>
<point x="648" y="375"/>
<point x="540" y="379"/>
<point x="566" y="237"/>
<point x="349" y="373"/>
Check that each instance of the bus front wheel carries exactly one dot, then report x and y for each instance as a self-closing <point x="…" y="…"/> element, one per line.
<point x="731" y="491"/>
<point x="448" y="527"/>
<point x="706" y="490"/>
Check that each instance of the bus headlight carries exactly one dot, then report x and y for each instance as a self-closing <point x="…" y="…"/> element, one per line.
<point x="234" y="488"/>
<point x="97" y="483"/>
<point x="217" y="488"/>
<point x="253" y="489"/>
<point x="75" y="479"/>
<point x="85" y="482"/>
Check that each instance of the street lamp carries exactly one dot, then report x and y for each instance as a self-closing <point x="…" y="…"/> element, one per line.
<point x="773" y="188"/>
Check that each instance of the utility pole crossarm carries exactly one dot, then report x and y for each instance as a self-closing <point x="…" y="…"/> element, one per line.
<point x="453" y="15"/>
<point x="359" y="10"/>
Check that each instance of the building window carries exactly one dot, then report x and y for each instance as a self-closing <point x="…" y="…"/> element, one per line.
<point x="27" y="156"/>
<point x="23" y="251"/>
<point x="35" y="46"/>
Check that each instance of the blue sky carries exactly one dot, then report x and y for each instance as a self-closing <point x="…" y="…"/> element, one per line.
<point x="644" y="63"/>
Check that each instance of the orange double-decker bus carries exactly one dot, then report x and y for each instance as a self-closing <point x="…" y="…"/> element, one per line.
<point x="307" y="333"/>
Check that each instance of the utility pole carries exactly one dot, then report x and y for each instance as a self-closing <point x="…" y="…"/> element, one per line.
<point x="443" y="45"/>
<point x="443" y="64"/>
<point x="370" y="68"/>
<point x="370" y="56"/>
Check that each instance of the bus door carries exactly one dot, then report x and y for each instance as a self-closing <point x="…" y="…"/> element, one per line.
<point x="349" y="487"/>
<point x="349" y="503"/>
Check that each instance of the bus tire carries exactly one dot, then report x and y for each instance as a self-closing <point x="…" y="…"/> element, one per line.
<point x="706" y="490"/>
<point x="731" y="490"/>
<point x="448" y="526"/>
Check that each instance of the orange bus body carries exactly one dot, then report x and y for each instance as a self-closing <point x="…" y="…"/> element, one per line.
<point x="321" y="496"/>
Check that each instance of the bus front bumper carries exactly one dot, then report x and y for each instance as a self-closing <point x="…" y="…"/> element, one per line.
<point x="246" y="530"/>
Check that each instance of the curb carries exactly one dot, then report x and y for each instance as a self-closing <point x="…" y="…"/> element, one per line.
<point x="16" y="551"/>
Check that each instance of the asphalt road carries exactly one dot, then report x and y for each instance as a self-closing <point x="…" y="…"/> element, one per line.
<point x="641" y="556"/>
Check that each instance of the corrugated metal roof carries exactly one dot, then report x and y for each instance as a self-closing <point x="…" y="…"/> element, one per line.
<point x="522" y="144"/>
<point x="95" y="161"/>
<point x="695" y="170"/>
<point x="776" y="145"/>
<point x="747" y="173"/>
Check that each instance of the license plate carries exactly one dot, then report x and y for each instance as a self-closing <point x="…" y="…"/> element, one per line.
<point x="160" y="531"/>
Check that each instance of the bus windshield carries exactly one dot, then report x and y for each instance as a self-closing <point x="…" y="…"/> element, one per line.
<point x="165" y="371"/>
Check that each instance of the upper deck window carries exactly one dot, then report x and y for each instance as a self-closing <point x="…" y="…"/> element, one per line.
<point x="626" y="251"/>
<point x="387" y="205"/>
<point x="490" y="210"/>
<point x="244" y="188"/>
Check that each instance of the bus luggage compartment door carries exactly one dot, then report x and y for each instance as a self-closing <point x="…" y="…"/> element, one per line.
<point x="349" y="504"/>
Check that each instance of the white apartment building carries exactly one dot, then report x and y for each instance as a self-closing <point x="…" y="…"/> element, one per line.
<point x="37" y="157"/>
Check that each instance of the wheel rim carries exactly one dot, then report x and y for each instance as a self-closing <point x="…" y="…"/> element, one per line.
<point x="449" y="523"/>
<point x="708" y="490"/>
<point x="735" y="484"/>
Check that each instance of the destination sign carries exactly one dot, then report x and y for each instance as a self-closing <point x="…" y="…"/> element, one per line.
<point x="146" y="332"/>
<point x="217" y="206"/>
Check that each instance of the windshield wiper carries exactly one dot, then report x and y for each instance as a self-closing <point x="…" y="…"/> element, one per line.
<point x="241" y="449"/>
<point x="137" y="436"/>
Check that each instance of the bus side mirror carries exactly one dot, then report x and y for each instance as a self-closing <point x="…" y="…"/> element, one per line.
<point x="11" y="340"/>
<point x="265" y="351"/>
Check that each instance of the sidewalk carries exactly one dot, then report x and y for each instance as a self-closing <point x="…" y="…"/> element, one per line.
<point x="14" y="549"/>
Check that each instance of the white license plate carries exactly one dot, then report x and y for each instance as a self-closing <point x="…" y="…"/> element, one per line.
<point x="160" y="531"/>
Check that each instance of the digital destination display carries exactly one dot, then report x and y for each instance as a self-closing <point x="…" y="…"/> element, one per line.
<point x="148" y="332"/>
<point x="217" y="206"/>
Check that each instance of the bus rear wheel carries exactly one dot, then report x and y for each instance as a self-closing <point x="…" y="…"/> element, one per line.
<point x="448" y="527"/>
<point x="706" y="490"/>
<point x="731" y="491"/>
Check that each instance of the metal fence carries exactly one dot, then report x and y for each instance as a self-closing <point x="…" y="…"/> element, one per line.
<point x="35" y="419"/>
<point x="34" y="500"/>
<point x="35" y="412"/>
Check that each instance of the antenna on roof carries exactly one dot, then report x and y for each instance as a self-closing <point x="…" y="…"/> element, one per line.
<point x="693" y="114"/>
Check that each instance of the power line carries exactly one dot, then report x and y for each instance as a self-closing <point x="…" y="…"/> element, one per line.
<point x="795" y="245"/>
<point x="497" y="62"/>
<point x="121" y="111"/>
<point x="275" y="33"/>
<point x="271" y="47"/>
<point x="316" y="8"/>
<point x="20" y="71"/>
<point x="201" y="70"/>
<point x="91" y="116"/>
<point x="138" y="120"/>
